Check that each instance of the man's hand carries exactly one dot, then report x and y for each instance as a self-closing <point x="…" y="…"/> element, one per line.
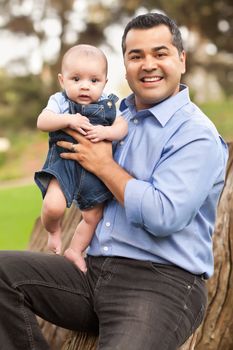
<point x="97" y="158"/>
<point x="93" y="157"/>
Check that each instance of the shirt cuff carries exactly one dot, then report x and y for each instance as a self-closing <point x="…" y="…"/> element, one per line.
<point x="134" y="193"/>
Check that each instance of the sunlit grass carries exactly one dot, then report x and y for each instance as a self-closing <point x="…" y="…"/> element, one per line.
<point x="19" y="207"/>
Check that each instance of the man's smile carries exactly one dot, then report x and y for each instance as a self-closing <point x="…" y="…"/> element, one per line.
<point x="151" y="79"/>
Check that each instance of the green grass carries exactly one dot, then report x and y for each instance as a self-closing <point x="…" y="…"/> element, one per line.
<point x="19" y="207"/>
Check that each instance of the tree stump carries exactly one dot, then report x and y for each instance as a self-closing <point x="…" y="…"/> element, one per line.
<point x="216" y="332"/>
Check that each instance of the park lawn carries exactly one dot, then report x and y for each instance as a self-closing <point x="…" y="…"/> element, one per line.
<point x="19" y="208"/>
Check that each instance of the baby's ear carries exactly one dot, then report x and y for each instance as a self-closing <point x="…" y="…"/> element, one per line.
<point x="60" y="79"/>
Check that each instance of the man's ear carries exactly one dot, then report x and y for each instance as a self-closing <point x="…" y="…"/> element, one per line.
<point x="60" y="79"/>
<point x="183" y="61"/>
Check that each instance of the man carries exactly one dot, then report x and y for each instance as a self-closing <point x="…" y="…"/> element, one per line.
<point x="144" y="287"/>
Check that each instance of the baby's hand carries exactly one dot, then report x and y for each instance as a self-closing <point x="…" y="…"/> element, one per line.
<point x="97" y="133"/>
<point x="80" y="123"/>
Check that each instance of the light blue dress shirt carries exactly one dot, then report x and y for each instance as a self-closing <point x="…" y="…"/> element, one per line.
<point x="178" y="162"/>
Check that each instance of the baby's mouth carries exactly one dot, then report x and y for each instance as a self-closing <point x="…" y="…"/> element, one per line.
<point x="84" y="96"/>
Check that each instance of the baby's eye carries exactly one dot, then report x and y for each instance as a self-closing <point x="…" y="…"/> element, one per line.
<point x="94" y="80"/>
<point x="76" y="78"/>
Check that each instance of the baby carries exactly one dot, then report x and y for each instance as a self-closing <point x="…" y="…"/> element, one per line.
<point x="84" y="107"/>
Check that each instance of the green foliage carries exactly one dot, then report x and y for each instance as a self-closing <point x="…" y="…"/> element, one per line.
<point x="221" y="113"/>
<point x="21" y="100"/>
<point x="2" y="159"/>
<point x="19" y="207"/>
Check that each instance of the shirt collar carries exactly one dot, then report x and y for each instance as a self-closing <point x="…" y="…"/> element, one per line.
<point x="164" y="110"/>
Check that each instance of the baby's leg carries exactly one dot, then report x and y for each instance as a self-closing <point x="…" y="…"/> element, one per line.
<point x="83" y="235"/>
<point x="53" y="209"/>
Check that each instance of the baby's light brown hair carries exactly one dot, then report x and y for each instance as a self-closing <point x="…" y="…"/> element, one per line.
<point x="75" y="51"/>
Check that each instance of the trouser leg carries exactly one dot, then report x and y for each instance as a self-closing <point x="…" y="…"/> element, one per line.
<point x="141" y="305"/>
<point x="137" y="305"/>
<point x="47" y="285"/>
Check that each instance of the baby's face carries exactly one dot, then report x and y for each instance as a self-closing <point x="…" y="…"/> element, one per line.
<point x="84" y="79"/>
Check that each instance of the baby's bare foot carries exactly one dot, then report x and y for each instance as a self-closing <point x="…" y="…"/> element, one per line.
<point x="54" y="243"/>
<point x="77" y="258"/>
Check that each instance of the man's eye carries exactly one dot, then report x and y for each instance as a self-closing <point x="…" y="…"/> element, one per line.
<point x="136" y="57"/>
<point x="161" y="55"/>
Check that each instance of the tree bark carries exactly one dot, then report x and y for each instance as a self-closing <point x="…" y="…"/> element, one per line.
<point x="216" y="332"/>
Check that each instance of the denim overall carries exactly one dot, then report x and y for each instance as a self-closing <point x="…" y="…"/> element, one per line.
<point x="77" y="184"/>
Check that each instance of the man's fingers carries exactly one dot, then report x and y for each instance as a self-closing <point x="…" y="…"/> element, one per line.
<point x="70" y="155"/>
<point x="77" y="136"/>
<point x="71" y="147"/>
<point x="81" y="131"/>
<point x="65" y="144"/>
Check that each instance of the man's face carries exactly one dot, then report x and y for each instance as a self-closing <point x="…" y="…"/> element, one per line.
<point x="153" y="65"/>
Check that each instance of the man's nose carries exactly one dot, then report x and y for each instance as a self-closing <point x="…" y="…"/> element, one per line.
<point x="149" y="63"/>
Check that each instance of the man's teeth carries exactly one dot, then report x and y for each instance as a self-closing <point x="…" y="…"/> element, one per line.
<point x="151" y="79"/>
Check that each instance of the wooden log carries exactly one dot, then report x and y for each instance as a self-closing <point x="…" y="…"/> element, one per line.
<point x="216" y="332"/>
<point x="80" y="340"/>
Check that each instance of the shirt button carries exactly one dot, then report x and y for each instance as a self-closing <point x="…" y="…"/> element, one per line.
<point x="122" y="143"/>
<point x="135" y="121"/>
<point x="105" y="248"/>
<point x="108" y="224"/>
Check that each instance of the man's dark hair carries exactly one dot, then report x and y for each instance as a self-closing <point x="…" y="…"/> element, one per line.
<point x="150" y="20"/>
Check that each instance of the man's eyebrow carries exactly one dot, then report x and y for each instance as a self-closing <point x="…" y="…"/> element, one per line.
<point x="156" y="48"/>
<point x="135" y="51"/>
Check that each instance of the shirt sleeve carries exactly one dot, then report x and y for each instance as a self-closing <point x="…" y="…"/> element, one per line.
<point x="57" y="103"/>
<point x="191" y="163"/>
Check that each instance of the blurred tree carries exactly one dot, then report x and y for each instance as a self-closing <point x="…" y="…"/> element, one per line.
<point x="56" y="25"/>
<point x="21" y="100"/>
<point x="211" y="20"/>
<point x="209" y="47"/>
